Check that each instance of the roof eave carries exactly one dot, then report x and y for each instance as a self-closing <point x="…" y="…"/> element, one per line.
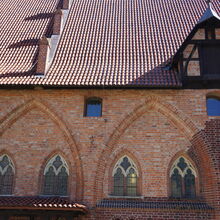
<point x="47" y="86"/>
<point x="76" y="209"/>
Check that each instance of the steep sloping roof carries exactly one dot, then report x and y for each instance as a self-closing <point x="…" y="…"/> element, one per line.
<point x="104" y="43"/>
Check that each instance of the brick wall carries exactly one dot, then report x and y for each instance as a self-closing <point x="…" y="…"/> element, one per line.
<point x="206" y="146"/>
<point x="151" y="126"/>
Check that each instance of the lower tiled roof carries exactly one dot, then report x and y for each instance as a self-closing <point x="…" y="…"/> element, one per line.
<point x="37" y="202"/>
<point x="154" y="204"/>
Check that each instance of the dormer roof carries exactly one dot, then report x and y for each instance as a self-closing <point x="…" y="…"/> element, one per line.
<point x="209" y="14"/>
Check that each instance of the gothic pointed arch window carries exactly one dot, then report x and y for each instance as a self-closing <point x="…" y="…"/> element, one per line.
<point x="183" y="179"/>
<point x="56" y="175"/>
<point x="125" y="178"/>
<point x="7" y="172"/>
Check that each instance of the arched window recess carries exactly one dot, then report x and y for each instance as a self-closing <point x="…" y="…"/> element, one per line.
<point x="183" y="179"/>
<point x="7" y="172"/>
<point x="125" y="177"/>
<point x="125" y="164"/>
<point x="56" y="175"/>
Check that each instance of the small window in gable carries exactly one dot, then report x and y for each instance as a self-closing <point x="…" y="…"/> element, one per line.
<point x="183" y="179"/>
<point x="125" y="178"/>
<point x="93" y="107"/>
<point x="213" y="106"/>
<point x="7" y="172"/>
<point x="56" y="177"/>
<point x="209" y="59"/>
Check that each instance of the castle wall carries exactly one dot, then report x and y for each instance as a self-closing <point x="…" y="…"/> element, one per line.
<point x="151" y="126"/>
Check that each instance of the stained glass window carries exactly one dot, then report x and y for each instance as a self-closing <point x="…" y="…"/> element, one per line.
<point x="182" y="178"/>
<point x="125" y="177"/>
<point x="56" y="177"/>
<point x="7" y="172"/>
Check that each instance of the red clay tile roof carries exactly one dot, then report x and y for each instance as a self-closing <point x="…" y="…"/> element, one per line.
<point x="104" y="43"/>
<point x="35" y="202"/>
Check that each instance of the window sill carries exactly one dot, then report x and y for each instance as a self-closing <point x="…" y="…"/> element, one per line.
<point x="213" y="116"/>
<point x="42" y="195"/>
<point x="126" y="197"/>
<point x="7" y="195"/>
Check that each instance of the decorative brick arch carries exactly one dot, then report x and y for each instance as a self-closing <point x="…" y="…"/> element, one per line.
<point x="215" y="93"/>
<point x="44" y="164"/>
<point x="20" y="111"/>
<point x="176" y="117"/>
<point x="205" y="151"/>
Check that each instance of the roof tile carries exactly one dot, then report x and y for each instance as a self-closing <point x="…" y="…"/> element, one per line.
<point x="154" y="203"/>
<point x="37" y="202"/>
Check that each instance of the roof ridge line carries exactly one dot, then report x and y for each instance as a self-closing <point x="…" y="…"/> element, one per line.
<point x="213" y="11"/>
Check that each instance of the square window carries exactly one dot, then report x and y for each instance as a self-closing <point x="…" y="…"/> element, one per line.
<point x="93" y="107"/>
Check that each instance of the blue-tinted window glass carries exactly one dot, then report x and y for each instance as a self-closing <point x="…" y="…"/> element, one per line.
<point x="213" y="107"/>
<point x="94" y="108"/>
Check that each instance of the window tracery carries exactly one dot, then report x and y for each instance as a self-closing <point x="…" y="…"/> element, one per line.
<point x="7" y="172"/>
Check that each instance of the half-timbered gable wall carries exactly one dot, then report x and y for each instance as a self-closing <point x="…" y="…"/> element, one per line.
<point x="200" y="58"/>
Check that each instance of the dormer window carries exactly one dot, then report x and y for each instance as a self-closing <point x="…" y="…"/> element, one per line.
<point x="93" y="107"/>
<point x="197" y="60"/>
<point x="209" y="54"/>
